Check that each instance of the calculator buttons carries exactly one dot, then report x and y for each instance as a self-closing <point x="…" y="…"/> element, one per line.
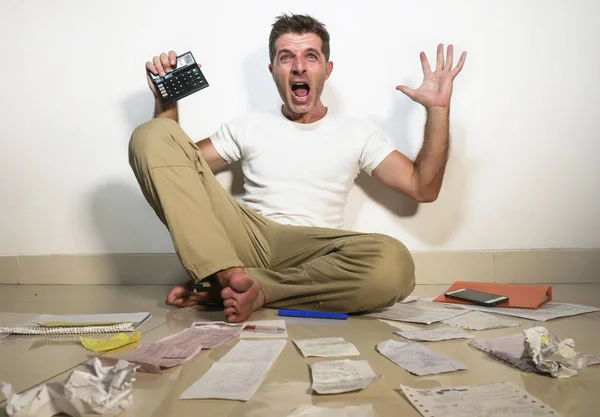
<point x="182" y="81"/>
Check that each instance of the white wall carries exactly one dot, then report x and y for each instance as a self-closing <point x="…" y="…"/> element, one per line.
<point x="524" y="169"/>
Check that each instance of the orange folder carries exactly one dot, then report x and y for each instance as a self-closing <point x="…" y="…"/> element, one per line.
<point x="519" y="295"/>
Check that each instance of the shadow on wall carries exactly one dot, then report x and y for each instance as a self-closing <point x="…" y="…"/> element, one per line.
<point x="438" y="221"/>
<point x="139" y="108"/>
<point x="124" y="222"/>
<point x="396" y="127"/>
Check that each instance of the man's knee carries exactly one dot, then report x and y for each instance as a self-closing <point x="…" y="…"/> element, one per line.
<point x="150" y="136"/>
<point x="392" y="275"/>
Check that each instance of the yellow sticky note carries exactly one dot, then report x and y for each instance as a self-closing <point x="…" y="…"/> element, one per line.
<point x="113" y="343"/>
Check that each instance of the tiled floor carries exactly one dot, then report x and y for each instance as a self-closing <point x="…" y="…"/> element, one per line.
<point x="25" y="363"/>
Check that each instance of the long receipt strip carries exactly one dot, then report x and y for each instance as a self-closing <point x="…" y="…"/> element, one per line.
<point x="306" y="410"/>
<point x="334" y="377"/>
<point x="215" y="333"/>
<point x="434" y="335"/>
<point x="417" y="359"/>
<point x="416" y="314"/>
<point x="495" y="399"/>
<point x="238" y="374"/>
<point x="477" y="320"/>
<point x="179" y="348"/>
<point x="326" y="347"/>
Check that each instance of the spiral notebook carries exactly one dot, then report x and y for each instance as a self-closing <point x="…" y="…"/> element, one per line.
<point x="47" y="324"/>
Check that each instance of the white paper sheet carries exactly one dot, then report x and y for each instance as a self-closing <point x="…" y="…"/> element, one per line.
<point x="238" y="374"/>
<point x="268" y="323"/>
<point x="326" y="347"/>
<point x="306" y="410"/>
<point x="415" y="314"/>
<point x="548" y="311"/>
<point x="434" y="335"/>
<point x="417" y="359"/>
<point x="410" y="299"/>
<point x="477" y="320"/>
<point x="102" y="390"/>
<point x="494" y="399"/>
<point x="345" y="375"/>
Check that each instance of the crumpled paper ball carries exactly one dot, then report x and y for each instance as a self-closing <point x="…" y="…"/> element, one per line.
<point x="550" y="355"/>
<point x="104" y="390"/>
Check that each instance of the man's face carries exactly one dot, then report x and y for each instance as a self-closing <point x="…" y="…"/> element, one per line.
<point x="300" y="70"/>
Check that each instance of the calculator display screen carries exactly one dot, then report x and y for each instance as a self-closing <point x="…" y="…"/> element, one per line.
<point x="184" y="60"/>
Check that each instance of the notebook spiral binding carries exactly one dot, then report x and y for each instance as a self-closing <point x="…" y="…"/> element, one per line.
<point x="43" y="340"/>
<point x="45" y="330"/>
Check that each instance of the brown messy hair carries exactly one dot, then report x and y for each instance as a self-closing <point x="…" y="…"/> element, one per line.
<point x="296" y="23"/>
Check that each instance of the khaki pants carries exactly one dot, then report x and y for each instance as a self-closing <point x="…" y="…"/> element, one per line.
<point x="305" y="268"/>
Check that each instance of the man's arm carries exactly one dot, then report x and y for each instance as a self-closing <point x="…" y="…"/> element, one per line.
<point x="422" y="180"/>
<point x="166" y="112"/>
<point x="215" y="162"/>
<point x="162" y="65"/>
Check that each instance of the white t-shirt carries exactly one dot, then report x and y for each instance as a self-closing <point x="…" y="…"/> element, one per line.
<point x="300" y="174"/>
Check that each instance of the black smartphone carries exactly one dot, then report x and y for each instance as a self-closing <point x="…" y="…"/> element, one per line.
<point x="477" y="297"/>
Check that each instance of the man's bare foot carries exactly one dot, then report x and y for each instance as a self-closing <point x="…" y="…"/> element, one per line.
<point x="241" y="294"/>
<point x="183" y="296"/>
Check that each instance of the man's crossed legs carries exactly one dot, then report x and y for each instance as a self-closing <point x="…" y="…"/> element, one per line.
<point x="252" y="261"/>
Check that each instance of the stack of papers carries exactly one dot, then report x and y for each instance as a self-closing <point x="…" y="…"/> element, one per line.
<point x="477" y="320"/>
<point x="415" y="314"/>
<point x="548" y="311"/>
<point x="434" y="335"/>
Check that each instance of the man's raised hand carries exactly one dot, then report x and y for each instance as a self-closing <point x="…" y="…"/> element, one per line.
<point x="161" y="65"/>
<point x="436" y="89"/>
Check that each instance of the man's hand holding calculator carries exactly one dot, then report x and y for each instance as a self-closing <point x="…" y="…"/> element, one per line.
<point x="160" y="65"/>
<point x="171" y="78"/>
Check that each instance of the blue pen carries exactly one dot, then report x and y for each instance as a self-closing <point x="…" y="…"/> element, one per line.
<point x="313" y="314"/>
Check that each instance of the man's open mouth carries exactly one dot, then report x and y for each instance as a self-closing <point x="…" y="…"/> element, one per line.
<point x="300" y="91"/>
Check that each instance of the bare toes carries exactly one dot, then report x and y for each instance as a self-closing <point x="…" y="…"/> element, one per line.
<point x="226" y="293"/>
<point x="229" y="302"/>
<point x="234" y="319"/>
<point x="229" y="311"/>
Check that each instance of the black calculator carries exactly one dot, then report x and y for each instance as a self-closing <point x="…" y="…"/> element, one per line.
<point x="184" y="80"/>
